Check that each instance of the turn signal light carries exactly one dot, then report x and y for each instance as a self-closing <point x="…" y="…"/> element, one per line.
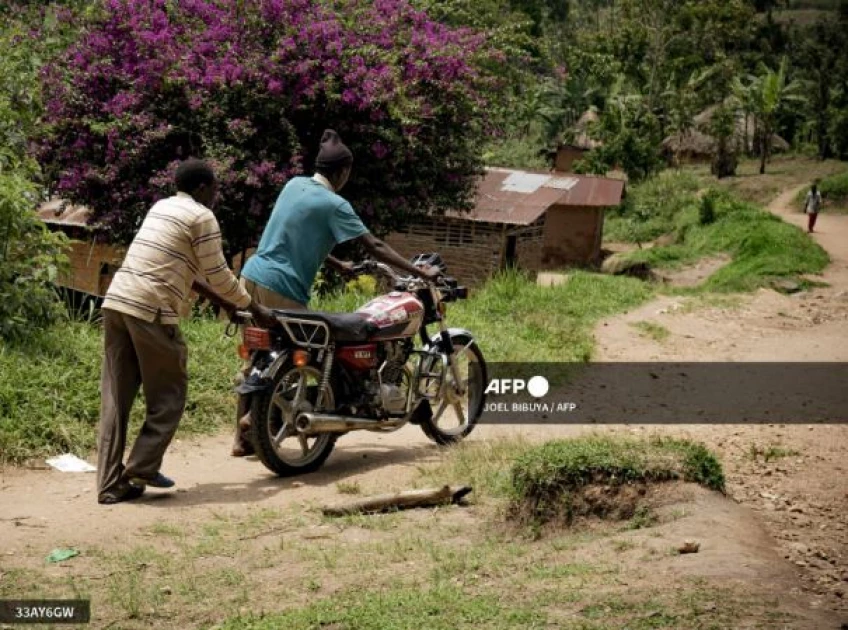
<point x="300" y="358"/>
<point x="243" y="352"/>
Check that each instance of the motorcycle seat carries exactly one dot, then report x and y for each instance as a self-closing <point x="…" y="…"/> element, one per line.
<point x="345" y="327"/>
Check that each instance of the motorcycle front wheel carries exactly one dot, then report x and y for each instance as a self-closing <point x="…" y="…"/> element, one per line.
<point x="455" y="411"/>
<point x="279" y="446"/>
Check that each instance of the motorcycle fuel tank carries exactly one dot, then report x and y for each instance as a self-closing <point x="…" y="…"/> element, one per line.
<point x="395" y="315"/>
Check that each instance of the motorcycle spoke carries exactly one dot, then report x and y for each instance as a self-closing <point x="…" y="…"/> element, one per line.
<point x="279" y="402"/>
<point x="280" y="435"/>
<point x="441" y="410"/>
<point x="460" y="413"/>
<point x="300" y="396"/>
<point x="304" y="444"/>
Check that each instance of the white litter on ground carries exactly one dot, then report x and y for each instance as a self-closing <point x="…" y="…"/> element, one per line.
<point x="70" y="463"/>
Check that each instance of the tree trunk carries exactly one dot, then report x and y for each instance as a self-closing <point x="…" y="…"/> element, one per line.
<point x="766" y="148"/>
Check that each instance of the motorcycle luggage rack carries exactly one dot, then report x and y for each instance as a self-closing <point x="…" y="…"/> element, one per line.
<point x="307" y="333"/>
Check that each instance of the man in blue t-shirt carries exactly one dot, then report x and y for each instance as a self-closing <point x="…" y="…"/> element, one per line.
<point x="308" y="220"/>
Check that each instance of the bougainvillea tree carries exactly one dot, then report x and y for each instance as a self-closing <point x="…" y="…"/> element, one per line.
<point x="250" y="85"/>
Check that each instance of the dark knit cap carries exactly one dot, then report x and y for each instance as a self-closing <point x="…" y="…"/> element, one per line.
<point x="333" y="152"/>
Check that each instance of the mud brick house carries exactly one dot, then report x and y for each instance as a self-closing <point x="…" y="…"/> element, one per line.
<point x="579" y="143"/>
<point x="92" y="263"/>
<point x="532" y="220"/>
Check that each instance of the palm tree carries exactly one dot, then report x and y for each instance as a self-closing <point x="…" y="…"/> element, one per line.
<point x="768" y="94"/>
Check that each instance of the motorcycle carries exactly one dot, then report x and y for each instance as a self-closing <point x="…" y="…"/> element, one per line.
<point x="316" y="376"/>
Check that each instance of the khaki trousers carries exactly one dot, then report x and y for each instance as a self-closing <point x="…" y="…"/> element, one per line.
<point x="153" y="356"/>
<point x="269" y="298"/>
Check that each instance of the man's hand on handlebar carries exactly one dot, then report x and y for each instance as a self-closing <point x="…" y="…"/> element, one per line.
<point x="347" y="269"/>
<point x="429" y="273"/>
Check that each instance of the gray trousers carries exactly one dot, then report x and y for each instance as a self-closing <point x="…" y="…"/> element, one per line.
<point x="138" y="354"/>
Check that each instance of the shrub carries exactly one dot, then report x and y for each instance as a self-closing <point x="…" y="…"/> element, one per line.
<point x="653" y="208"/>
<point x="706" y="211"/>
<point x="30" y="259"/>
<point x="250" y="85"/>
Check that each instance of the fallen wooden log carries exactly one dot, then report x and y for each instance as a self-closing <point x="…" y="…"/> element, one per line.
<point x="400" y="500"/>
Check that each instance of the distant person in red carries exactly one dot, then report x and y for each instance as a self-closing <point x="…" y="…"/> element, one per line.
<point x="812" y="205"/>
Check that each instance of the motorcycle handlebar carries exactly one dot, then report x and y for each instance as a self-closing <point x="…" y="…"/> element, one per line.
<point x="444" y="283"/>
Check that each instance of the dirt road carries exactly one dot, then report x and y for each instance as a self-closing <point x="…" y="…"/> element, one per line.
<point x="800" y="532"/>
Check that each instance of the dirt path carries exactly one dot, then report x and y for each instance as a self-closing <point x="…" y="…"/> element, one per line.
<point x="801" y="499"/>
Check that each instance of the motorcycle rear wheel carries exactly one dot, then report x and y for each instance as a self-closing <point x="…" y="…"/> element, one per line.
<point x="278" y="445"/>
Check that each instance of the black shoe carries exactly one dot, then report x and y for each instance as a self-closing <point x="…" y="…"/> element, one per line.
<point x="159" y="481"/>
<point x="129" y="492"/>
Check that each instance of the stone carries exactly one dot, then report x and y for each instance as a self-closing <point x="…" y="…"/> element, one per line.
<point x="799" y="548"/>
<point x="785" y="286"/>
<point x="689" y="546"/>
<point x="619" y="265"/>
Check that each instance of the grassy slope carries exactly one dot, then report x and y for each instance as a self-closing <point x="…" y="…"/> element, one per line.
<point x="762" y="246"/>
<point x="782" y="173"/>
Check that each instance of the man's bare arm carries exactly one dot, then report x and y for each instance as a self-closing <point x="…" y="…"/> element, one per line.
<point x="384" y="253"/>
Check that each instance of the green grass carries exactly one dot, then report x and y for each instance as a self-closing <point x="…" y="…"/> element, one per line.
<point x="834" y="191"/>
<point x="654" y="331"/>
<point x="514" y="319"/>
<point x="50" y="388"/>
<point x="441" y="607"/>
<point x="771" y="453"/>
<point x="653" y="208"/>
<point x="545" y="478"/>
<point x="762" y="246"/>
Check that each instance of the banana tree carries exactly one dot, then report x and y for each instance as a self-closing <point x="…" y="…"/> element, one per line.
<point x="769" y="94"/>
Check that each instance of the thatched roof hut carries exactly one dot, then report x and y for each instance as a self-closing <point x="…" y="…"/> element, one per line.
<point x="693" y="145"/>
<point x="778" y="144"/>
<point x="582" y="140"/>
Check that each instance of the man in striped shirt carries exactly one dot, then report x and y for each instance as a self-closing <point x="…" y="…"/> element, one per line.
<point x="178" y="243"/>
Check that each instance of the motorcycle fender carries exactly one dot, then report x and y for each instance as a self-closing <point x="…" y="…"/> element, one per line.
<point x="453" y="332"/>
<point x="251" y="387"/>
<point x="258" y="380"/>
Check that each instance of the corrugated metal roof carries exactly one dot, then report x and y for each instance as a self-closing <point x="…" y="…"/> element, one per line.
<point x="61" y="212"/>
<point x="520" y="197"/>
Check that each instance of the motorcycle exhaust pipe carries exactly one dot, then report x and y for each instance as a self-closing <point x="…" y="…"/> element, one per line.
<point x="315" y="424"/>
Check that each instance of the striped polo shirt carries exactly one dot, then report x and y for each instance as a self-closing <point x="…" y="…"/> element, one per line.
<point x="179" y="240"/>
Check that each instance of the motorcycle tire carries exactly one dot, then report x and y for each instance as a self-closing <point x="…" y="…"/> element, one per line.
<point x="267" y="418"/>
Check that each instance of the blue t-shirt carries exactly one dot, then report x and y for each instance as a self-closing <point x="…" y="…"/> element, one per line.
<point x="308" y="220"/>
